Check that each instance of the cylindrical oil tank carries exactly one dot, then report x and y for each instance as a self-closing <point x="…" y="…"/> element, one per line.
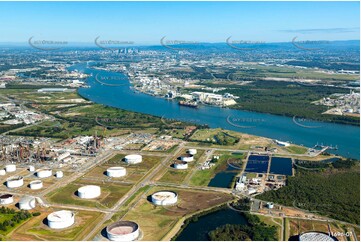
<point x="187" y="157"/>
<point x="192" y="151"/>
<point x="2" y="172"/>
<point x="61" y="219"/>
<point x="27" y="203"/>
<point x="164" y="198"/>
<point x="89" y="192"/>
<point x="35" y="185"/>
<point x="6" y="199"/>
<point x="123" y="231"/>
<point x="116" y="171"/>
<point x="180" y="165"/>
<point x="133" y="159"/>
<point x="14" y="181"/>
<point x="31" y="168"/>
<point x="59" y="174"/>
<point x="10" y="168"/>
<point x="43" y="173"/>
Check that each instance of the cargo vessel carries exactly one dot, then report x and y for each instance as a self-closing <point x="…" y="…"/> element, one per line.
<point x="188" y="104"/>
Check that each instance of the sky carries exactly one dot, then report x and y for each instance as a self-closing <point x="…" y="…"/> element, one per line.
<point x="148" y="22"/>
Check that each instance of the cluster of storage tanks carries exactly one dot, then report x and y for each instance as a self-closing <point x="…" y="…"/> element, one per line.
<point x="61" y="219"/>
<point x="123" y="231"/>
<point x="133" y="159"/>
<point x="189" y="155"/>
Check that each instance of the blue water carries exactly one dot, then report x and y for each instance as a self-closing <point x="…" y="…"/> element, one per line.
<point x="222" y="179"/>
<point x="280" y="165"/>
<point x="198" y="231"/>
<point x="257" y="163"/>
<point x="346" y="137"/>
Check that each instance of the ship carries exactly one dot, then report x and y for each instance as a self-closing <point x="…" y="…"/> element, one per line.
<point x="188" y="104"/>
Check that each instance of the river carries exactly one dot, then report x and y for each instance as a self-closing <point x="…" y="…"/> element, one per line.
<point x="302" y="132"/>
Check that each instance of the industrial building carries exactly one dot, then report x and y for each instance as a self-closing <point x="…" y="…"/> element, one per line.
<point x="164" y="198"/>
<point x="89" y="192"/>
<point x="315" y="236"/>
<point x="61" y="219"/>
<point x="116" y="171"/>
<point x="6" y="199"/>
<point x="43" y="173"/>
<point x="180" y="165"/>
<point x="133" y="159"/>
<point x="35" y="185"/>
<point x="14" y="181"/>
<point x="27" y="203"/>
<point x="123" y="231"/>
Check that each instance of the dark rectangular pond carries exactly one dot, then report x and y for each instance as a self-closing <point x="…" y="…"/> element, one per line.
<point x="280" y="165"/>
<point x="222" y="179"/>
<point x="257" y="163"/>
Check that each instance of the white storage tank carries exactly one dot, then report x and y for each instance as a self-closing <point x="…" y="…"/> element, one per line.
<point x="10" y="168"/>
<point x="180" y="165"/>
<point x="6" y="199"/>
<point x="27" y="203"/>
<point x="133" y="159"/>
<point x="35" y="185"/>
<point x="164" y="198"/>
<point x="2" y="172"/>
<point x="43" y="173"/>
<point x="123" y="231"/>
<point x="116" y="171"/>
<point x="14" y="181"/>
<point x="89" y="192"/>
<point x="192" y="151"/>
<point x="270" y="205"/>
<point x="31" y="168"/>
<point x="187" y="157"/>
<point x="59" y="174"/>
<point x="61" y="219"/>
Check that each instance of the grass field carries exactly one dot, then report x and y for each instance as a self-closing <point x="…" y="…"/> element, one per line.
<point x="203" y="177"/>
<point x="36" y="229"/>
<point x="111" y="193"/>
